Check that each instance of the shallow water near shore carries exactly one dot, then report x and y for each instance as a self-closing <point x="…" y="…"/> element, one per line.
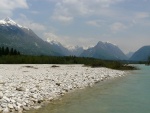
<point x="128" y="94"/>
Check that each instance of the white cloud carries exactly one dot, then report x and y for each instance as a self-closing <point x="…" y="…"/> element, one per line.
<point x="117" y="26"/>
<point x="70" y="41"/>
<point x="141" y="18"/>
<point x="142" y="15"/>
<point x="7" y="6"/>
<point x="62" y="18"/>
<point x="24" y="21"/>
<point x="35" y="12"/>
<point x="95" y="23"/>
<point x="36" y="26"/>
<point x="64" y="40"/>
<point x="50" y="37"/>
<point x="62" y="14"/>
<point x="74" y="8"/>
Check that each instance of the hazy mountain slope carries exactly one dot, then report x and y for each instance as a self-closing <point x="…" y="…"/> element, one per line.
<point x="75" y="50"/>
<point x="23" y="39"/>
<point x="142" y="54"/>
<point x="105" y="50"/>
<point x="59" y="48"/>
<point x="129" y="55"/>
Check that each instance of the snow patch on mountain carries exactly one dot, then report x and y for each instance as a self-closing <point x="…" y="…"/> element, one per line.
<point x="8" y="21"/>
<point x="107" y="43"/>
<point x="73" y="48"/>
<point x="53" y="42"/>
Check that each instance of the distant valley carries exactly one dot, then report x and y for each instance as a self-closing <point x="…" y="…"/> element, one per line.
<point x="28" y="43"/>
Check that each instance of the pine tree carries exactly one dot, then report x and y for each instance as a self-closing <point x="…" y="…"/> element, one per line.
<point x="149" y="60"/>
<point x="7" y="51"/>
<point x="11" y="51"/>
<point x="15" y="52"/>
<point x="3" y="51"/>
<point x="0" y="51"/>
<point x="18" y="53"/>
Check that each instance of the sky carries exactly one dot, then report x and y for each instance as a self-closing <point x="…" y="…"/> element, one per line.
<point x="125" y="23"/>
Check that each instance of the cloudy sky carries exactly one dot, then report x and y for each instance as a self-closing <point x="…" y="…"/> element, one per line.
<point x="84" y="22"/>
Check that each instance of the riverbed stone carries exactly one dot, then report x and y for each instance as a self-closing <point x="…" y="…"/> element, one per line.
<point x="3" y="105"/>
<point x="10" y="106"/>
<point x="1" y="82"/>
<point x="20" y="110"/>
<point x="1" y="95"/>
<point x="37" y="107"/>
<point x="12" y="101"/>
<point x="6" y="99"/>
<point x="31" y="103"/>
<point x="1" y="109"/>
<point x="26" y="108"/>
<point x="34" y="96"/>
<point x="20" y="89"/>
<point x="5" y="110"/>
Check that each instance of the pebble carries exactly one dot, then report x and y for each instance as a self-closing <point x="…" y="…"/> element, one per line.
<point x="22" y="91"/>
<point x="1" y="109"/>
<point x="26" y="108"/>
<point x="37" y="107"/>
<point x="6" y="110"/>
<point x="10" y="106"/>
<point x="3" y="105"/>
<point x="1" y="95"/>
<point x="6" y="99"/>
<point x="35" y="96"/>
<point x="1" y="89"/>
<point x="2" y="82"/>
<point x="12" y="101"/>
<point x="31" y="103"/>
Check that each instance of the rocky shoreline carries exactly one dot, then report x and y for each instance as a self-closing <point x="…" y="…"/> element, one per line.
<point x="23" y="87"/>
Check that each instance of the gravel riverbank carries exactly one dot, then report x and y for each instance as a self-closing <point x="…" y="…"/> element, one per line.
<point x="23" y="87"/>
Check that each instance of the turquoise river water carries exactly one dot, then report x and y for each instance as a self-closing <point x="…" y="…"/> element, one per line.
<point x="128" y="94"/>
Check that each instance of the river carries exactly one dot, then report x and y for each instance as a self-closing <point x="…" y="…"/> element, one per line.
<point x="128" y="94"/>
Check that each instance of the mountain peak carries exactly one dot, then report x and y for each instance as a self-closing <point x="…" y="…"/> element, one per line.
<point x="7" y="19"/>
<point x="100" y="42"/>
<point x="103" y="43"/>
<point x="105" y="50"/>
<point x="9" y="22"/>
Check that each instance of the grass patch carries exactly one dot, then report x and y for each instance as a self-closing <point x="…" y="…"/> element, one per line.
<point x="111" y="64"/>
<point x="54" y="66"/>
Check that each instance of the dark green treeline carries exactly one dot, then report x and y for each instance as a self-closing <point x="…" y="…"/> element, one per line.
<point x="12" y="56"/>
<point x="24" y="59"/>
<point x="8" y="51"/>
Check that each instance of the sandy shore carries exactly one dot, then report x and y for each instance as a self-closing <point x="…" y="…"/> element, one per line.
<point x="23" y="87"/>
